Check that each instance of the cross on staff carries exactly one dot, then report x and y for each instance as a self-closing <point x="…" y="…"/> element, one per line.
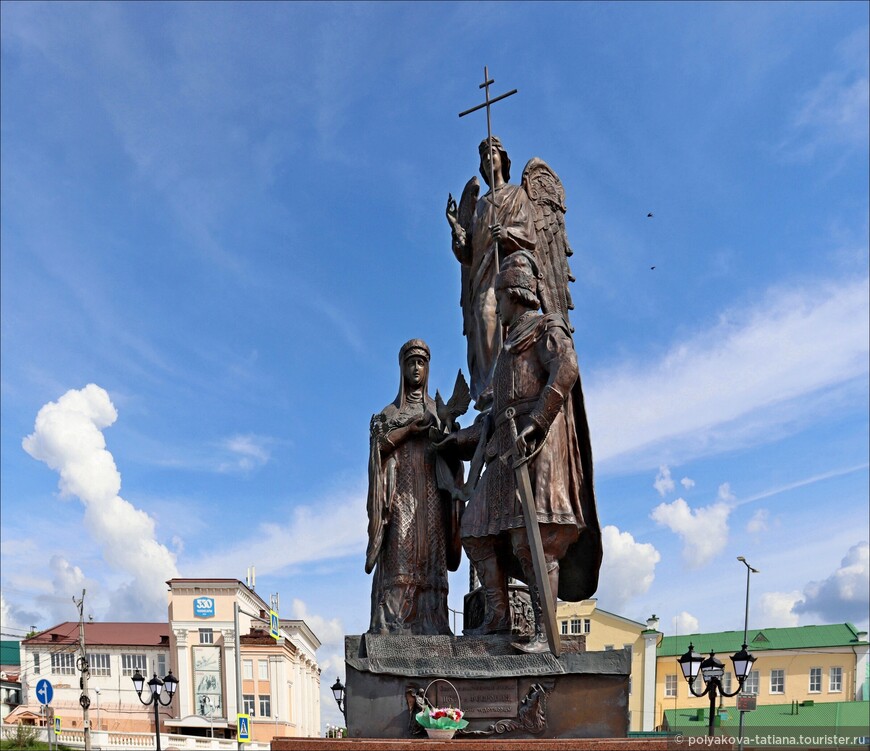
<point x="488" y="103"/>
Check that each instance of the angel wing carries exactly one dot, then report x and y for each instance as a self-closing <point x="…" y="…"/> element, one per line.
<point x="547" y="195"/>
<point x="465" y="214"/>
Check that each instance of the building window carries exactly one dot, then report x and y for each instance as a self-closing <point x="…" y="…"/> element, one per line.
<point x="248" y="704"/>
<point x="160" y="665"/>
<point x="751" y="684"/>
<point x="815" y="680"/>
<point x="36" y="662"/>
<point x="777" y="681"/>
<point x="131" y="663"/>
<point x="265" y="706"/>
<point x="206" y="636"/>
<point x="99" y="666"/>
<point x="263" y="669"/>
<point x="564" y="626"/>
<point x="835" y="680"/>
<point x="575" y="625"/>
<point x="726" y="682"/>
<point x="670" y="686"/>
<point x="587" y="625"/>
<point x="248" y="670"/>
<point x="63" y="663"/>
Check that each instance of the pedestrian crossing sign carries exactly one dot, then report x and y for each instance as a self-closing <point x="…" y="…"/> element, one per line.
<point x="56" y="725"/>
<point x="274" y="625"/>
<point x="243" y="728"/>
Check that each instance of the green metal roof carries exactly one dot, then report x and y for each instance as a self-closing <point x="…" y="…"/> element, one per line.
<point x="832" y="715"/>
<point x="10" y="652"/>
<point x="763" y="639"/>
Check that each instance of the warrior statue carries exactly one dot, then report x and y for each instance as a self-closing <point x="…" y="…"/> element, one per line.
<point x="486" y="230"/>
<point x="537" y="413"/>
<point x="412" y="508"/>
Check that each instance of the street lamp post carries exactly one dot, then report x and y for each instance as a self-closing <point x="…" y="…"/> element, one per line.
<point x="749" y="570"/>
<point x="712" y="670"/>
<point x="338" y="693"/>
<point x="156" y="686"/>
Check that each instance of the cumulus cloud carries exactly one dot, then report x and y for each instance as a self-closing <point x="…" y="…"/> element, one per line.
<point x="328" y="631"/>
<point x="663" y="482"/>
<point x="628" y="568"/>
<point x="14" y="619"/>
<point x="704" y="531"/>
<point x="777" y="609"/>
<point x="68" y="438"/>
<point x="687" y="483"/>
<point x="753" y="374"/>
<point x="845" y="594"/>
<point x="758" y="522"/>
<point x="686" y="623"/>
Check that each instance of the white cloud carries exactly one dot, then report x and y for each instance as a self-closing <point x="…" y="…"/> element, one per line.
<point x="834" y="110"/>
<point x="845" y="594"/>
<point x="686" y="623"/>
<point x="328" y="631"/>
<point x="663" y="482"/>
<point x="777" y="609"/>
<point x="331" y="528"/>
<point x="687" y="483"/>
<point x="247" y="451"/>
<point x="758" y="522"/>
<point x="738" y="382"/>
<point x="68" y="438"/>
<point x="628" y="568"/>
<point x="704" y="531"/>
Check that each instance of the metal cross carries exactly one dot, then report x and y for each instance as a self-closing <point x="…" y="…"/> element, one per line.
<point x="487" y="103"/>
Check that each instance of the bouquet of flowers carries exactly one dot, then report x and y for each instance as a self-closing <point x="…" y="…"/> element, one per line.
<point x="442" y="718"/>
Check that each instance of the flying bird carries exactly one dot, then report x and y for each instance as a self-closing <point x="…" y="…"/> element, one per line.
<point x="649" y="216"/>
<point x="652" y="268"/>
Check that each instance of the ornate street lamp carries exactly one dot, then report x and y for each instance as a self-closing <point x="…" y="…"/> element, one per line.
<point x="338" y="692"/>
<point x="156" y="686"/>
<point x="712" y="669"/>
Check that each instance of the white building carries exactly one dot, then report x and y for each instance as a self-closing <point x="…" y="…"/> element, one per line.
<point x="278" y="683"/>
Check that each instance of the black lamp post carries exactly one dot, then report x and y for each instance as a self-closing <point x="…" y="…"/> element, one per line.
<point x="338" y="693"/>
<point x="712" y="670"/>
<point x="170" y="682"/>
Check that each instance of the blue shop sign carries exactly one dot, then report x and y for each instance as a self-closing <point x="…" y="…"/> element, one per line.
<point x="203" y="607"/>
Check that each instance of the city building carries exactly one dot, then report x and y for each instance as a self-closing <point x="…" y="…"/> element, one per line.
<point x="10" y="677"/>
<point x="279" y="679"/>
<point x="217" y="644"/>
<point x="796" y="667"/>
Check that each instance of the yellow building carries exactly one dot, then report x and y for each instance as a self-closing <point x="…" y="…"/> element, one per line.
<point x="803" y="665"/>
<point x="605" y="631"/>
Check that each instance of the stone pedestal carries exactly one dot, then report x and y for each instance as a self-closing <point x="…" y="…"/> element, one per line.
<point x="504" y="693"/>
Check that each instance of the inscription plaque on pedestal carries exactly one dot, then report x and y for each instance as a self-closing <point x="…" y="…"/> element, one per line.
<point x="494" y="698"/>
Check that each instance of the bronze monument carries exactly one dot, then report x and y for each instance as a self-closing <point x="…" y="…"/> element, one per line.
<point x="527" y="511"/>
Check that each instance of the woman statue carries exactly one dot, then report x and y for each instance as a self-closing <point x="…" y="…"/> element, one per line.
<point x="413" y="523"/>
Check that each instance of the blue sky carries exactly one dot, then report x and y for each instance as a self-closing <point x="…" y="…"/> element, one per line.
<point x="221" y="221"/>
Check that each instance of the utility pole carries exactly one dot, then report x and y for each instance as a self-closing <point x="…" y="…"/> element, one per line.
<point x="85" y="670"/>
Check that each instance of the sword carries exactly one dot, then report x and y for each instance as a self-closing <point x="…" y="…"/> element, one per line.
<point x="533" y="531"/>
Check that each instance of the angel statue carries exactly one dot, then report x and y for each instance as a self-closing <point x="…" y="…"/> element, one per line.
<point x="486" y="230"/>
<point x="413" y="503"/>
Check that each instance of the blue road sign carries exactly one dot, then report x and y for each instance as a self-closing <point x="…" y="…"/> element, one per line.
<point x="44" y="691"/>
<point x="274" y="625"/>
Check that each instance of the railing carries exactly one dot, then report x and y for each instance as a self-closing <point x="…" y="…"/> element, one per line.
<point x="103" y="740"/>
